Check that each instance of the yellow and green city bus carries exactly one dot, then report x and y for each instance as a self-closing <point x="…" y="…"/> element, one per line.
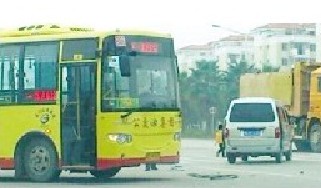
<point x="79" y="100"/>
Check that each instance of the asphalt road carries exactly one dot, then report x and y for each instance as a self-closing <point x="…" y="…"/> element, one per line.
<point x="199" y="167"/>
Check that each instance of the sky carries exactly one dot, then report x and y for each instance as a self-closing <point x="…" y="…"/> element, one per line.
<point x="188" y="21"/>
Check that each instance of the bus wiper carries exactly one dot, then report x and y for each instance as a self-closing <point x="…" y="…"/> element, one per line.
<point x="132" y="53"/>
<point x="127" y="114"/>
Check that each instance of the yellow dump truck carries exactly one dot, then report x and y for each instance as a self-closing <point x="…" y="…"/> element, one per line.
<point x="299" y="88"/>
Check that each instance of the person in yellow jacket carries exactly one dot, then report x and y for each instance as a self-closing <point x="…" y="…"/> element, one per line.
<point x="219" y="139"/>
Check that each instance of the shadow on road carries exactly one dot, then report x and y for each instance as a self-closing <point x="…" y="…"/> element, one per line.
<point x="90" y="180"/>
<point x="259" y="162"/>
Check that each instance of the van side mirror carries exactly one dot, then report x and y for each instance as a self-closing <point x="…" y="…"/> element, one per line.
<point x="124" y="66"/>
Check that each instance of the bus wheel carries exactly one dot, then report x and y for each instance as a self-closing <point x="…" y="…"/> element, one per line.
<point x="40" y="160"/>
<point x="315" y="138"/>
<point x="105" y="173"/>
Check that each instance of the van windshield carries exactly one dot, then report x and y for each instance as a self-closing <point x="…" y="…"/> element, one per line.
<point x="252" y="112"/>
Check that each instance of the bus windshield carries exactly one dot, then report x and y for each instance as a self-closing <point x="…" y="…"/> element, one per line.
<point x="151" y="84"/>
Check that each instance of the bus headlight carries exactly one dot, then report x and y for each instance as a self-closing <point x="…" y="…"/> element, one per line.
<point x="120" y="138"/>
<point x="177" y="136"/>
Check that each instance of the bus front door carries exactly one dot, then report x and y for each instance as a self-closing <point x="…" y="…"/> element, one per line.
<point x="78" y="99"/>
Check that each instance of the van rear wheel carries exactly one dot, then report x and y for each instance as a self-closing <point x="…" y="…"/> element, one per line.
<point x="244" y="158"/>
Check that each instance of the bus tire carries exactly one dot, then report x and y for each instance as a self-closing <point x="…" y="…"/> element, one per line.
<point x="104" y="174"/>
<point x="40" y="160"/>
<point x="315" y="138"/>
<point x="19" y="171"/>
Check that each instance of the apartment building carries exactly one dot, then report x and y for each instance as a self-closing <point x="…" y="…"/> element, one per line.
<point x="188" y="56"/>
<point x="283" y="44"/>
<point x="233" y="49"/>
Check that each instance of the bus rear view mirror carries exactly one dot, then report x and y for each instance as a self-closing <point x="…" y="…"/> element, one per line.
<point x="124" y="66"/>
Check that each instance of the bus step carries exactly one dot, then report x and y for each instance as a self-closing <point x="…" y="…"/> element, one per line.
<point x="78" y="168"/>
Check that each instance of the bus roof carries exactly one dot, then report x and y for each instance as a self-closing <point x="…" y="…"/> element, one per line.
<point x="54" y="32"/>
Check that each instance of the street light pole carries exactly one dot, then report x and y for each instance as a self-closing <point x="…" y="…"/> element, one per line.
<point x="229" y="29"/>
<point x="212" y="112"/>
<point x="234" y="31"/>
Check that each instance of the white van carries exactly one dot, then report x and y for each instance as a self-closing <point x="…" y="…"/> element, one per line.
<point x="257" y="126"/>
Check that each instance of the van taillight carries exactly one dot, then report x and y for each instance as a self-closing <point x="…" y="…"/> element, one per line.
<point x="277" y="132"/>
<point x="227" y="133"/>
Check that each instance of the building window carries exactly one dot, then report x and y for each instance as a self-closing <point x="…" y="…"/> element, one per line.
<point x="284" y="61"/>
<point x="202" y="53"/>
<point x="288" y="32"/>
<point x="312" y="33"/>
<point x="299" y="47"/>
<point x="243" y="57"/>
<point x="319" y="84"/>
<point x="284" y="46"/>
<point x="312" y="47"/>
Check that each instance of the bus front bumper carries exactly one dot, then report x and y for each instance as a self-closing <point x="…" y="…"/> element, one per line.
<point x="106" y="163"/>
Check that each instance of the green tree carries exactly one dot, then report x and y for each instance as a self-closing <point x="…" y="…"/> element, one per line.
<point x="205" y="87"/>
<point x="199" y="92"/>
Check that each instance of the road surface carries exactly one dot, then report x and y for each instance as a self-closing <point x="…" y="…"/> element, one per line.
<point x="199" y="167"/>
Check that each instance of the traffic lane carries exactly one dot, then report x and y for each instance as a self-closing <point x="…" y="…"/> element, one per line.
<point x="259" y="172"/>
<point x="304" y="167"/>
<point x="306" y="163"/>
<point x="198" y="157"/>
<point x="128" y="177"/>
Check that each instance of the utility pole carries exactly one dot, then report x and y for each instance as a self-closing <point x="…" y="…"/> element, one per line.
<point x="212" y="112"/>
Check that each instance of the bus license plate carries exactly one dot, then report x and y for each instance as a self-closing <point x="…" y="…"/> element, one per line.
<point x="252" y="133"/>
<point x="153" y="156"/>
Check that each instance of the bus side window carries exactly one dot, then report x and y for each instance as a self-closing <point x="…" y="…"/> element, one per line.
<point x="9" y="68"/>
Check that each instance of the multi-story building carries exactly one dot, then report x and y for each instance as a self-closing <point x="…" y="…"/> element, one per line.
<point x="232" y="50"/>
<point x="272" y="45"/>
<point x="318" y="42"/>
<point x="283" y="44"/>
<point x="189" y="55"/>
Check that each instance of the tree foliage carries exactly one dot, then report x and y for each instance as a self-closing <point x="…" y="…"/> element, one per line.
<point x="207" y="87"/>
